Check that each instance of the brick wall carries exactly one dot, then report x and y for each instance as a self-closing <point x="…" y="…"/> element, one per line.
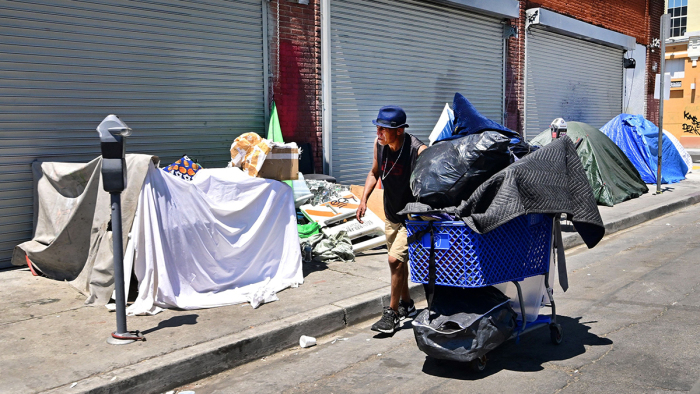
<point x="296" y="72"/>
<point x="656" y="9"/>
<point x="636" y="18"/>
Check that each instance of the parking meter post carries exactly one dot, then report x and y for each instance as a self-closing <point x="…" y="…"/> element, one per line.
<point x="113" y="132"/>
<point x="117" y="247"/>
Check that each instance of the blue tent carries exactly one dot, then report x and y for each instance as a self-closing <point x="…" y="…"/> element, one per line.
<point x="639" y="139"/>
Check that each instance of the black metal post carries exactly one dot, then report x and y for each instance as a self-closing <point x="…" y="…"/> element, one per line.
<point x="113" y="132"/>
<point x="665" y="22"/>
<point x="118" y="251"/>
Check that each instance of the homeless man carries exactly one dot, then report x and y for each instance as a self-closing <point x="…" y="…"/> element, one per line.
<point x="395" y="154"/>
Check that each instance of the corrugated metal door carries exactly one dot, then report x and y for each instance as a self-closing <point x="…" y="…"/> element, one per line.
<point x="186" y="76"/>
<point x="572" y="79"/>
<point x="408" y="53"/>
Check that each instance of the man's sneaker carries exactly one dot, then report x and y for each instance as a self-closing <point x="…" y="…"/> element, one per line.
<point x="406" y="309"/>
<point x="388" y="323"/>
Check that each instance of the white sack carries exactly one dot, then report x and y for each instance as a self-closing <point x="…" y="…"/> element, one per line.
<point x="222" y="239"/>
<point x="446" y="116"/>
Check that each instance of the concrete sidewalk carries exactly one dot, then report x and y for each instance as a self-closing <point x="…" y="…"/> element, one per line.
<point x="52" y="343"/>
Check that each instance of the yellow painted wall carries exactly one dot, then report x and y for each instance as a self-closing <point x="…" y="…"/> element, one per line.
<point x="693" y="22"/>
<point x="682" y="110"/>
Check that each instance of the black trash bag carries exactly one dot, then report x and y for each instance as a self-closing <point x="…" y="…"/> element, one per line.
<point x="449" y="171"/>
<point x="521" y="148"/>
<point x="464" y="324"/>
<point x="469" y="121"/>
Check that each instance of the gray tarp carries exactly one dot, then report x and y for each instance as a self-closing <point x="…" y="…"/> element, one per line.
<point x="71" y="217"/>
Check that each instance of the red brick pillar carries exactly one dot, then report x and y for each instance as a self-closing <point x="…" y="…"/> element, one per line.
<point x="296" y="86"/>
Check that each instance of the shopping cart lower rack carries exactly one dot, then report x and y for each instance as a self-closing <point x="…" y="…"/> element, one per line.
<point x="518" y="249"/>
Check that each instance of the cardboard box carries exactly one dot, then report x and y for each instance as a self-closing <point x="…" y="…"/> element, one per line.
<point x="282" y="164"/>
<point x="375" y="203"/>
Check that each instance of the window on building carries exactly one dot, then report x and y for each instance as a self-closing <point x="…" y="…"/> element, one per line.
<point x="676" y="68"/>
<point x="678" y="9"/>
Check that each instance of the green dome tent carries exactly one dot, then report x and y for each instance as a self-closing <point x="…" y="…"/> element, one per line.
<point x="610" y="173"/>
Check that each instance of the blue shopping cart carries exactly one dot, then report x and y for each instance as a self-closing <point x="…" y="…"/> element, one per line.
<point x="516" y="250"/>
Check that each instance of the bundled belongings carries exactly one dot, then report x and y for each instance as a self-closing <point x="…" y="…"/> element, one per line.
<point x="337" y="214"/>
<point x="463" y="324"/>
<point x="549" y="180"/>
<point x="638" y="138"/>
<point x="72" y="239"/>
<point x="509" y="226"/>
<point x="221" y="238"/>
<point x="612" y="176"/>
<point x="331" y="247"/>
<point x="263" y="158"/>
<point x="455" y="165"/>
<point x="468" y="121"/>
<point x="449" y="171"/>
<point x="184" y="168"/>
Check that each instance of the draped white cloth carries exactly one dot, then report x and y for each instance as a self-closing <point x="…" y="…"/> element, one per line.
<point x="223" y="238"/>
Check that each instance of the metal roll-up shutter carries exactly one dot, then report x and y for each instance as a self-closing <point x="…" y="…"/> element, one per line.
<point x="187" y="76"/>
<point x="408" y="53"/>
<point x="572" y="79"/>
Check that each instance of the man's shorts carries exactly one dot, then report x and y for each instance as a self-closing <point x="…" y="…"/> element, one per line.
<point x="396" y="240"/>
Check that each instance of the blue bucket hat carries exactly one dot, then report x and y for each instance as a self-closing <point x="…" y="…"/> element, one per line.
<point x="391" y="116"/>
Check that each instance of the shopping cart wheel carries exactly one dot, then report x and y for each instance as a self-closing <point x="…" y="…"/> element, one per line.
<point x="478" y="364"/>
<point x="555" y="333"/>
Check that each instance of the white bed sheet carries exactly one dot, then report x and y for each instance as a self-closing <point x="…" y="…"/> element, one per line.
<point x="224" y="238"/>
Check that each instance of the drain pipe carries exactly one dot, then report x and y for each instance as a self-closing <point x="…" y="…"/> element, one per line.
<point x="326" y="98"/>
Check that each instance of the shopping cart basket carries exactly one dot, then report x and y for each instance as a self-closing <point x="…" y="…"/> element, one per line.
<point x="516" y="250"/>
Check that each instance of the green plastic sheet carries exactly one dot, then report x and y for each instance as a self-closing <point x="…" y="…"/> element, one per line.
<point x="612" y="175"/>
<point x="274" y="131"/>
<point x="307" y="230"/>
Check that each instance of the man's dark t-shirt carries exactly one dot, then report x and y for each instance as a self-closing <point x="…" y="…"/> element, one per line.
<point x="395" y="169"/>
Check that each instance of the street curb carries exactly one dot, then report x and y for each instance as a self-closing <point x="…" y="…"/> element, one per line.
<point x="573" y="239"/>
<point x="162" y="373"/>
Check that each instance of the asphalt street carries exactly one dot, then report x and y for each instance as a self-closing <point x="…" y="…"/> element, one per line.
<point x="630" y="321"/>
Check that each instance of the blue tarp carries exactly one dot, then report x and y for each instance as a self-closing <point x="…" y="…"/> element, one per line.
<point x="467" y="121"/>
<point x="639" y="139"/>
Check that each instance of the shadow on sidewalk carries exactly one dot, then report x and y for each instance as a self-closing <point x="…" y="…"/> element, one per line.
<point x="173" y="322"/>
<point x="313" y="266"/>
<point x="534" y="349"/>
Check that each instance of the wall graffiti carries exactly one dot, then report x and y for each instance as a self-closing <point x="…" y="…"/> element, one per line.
<point x="694" y="126"/>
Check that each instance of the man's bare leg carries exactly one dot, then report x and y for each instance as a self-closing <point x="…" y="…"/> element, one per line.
<point x="399" y="282"/>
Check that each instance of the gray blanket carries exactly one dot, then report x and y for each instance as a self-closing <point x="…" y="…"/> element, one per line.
<point x="550" y="180"/>
<point x="71" y="217"/>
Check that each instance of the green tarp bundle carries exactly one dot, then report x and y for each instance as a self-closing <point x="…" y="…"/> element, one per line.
<point x="610" y="173"/>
